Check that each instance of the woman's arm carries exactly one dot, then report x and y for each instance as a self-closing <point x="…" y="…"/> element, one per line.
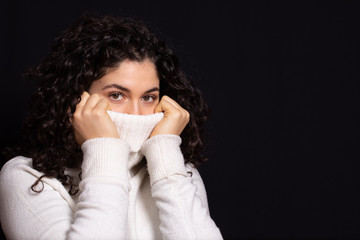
<point x="101" y="211"/>
<point x="180" y="197"/>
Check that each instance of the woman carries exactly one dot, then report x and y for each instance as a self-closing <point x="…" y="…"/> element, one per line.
<point x="114" y="135"/>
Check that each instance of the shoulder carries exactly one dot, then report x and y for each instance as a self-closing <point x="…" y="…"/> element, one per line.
<point x="17" y="167"/>
<point x="22" y="209"/>
<point x="18" y="174"/>
<point x="15" y="180"/>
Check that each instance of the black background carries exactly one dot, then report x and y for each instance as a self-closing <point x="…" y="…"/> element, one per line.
<point x="282" y="82"/>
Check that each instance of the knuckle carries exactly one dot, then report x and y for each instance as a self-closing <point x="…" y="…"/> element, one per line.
<point x="76" y="115"/>
<point x="177" y="114"/>
<point x="165" y="97"/>
<point x="187" y="116"/>
<point x="97" y="113"/>
<point x="95" y="95"/>
<point x="87" y="113"/>
<point x="84" y="97"/>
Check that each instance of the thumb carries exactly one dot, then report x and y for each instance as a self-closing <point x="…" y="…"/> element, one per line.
<point x="164" y="106"/>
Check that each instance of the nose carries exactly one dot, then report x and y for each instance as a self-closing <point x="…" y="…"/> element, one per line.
<point x="133" y="108"/>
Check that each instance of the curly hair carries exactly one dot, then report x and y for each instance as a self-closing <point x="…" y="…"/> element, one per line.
<point x="82" y="54"/>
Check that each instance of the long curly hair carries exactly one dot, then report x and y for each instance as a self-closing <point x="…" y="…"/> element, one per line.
<point x="82" y="54"/>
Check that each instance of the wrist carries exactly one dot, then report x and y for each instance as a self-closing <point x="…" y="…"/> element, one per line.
<point x="105" y="157"/>
<point x="164" y="157"/>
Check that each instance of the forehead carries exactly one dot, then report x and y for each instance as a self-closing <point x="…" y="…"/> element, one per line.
<point x="132" y="75"/>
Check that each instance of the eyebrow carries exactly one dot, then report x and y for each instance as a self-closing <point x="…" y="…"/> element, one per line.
<point x="128" y="90"/>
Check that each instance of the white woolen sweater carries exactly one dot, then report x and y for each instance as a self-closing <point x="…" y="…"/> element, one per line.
<point x="121" y="196"/>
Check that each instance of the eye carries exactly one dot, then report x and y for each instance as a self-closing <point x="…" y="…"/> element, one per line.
<point x="149" y="98"/>
<point x="117" y="96"/>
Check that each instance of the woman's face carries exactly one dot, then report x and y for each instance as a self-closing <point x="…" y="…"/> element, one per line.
<point x="133" y="87"/>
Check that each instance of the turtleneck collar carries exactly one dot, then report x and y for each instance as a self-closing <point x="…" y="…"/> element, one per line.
<point x="135" y="130"/>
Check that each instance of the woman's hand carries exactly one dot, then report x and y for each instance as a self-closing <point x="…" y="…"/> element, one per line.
<point x="175" y="117"/>
<point x="91" y="120"/>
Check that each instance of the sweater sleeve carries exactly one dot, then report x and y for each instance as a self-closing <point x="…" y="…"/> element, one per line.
<point x="180" y="197"/>
<point x="100" y="212"/>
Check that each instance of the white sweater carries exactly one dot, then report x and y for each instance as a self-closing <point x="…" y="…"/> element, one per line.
<point x="121" y="196"/>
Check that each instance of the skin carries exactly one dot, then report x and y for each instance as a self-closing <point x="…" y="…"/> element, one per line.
<point x="132" y="88"/>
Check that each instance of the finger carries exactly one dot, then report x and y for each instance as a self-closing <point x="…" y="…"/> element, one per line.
<point x="166" y="104"/>
<point x="92" y="101"/>
<point x="171" y="101"/>
<point x="163" y="106"/>
<point x="84" y="97"/>
<point x="176" y="107"/>
<point x="102" y="106"/>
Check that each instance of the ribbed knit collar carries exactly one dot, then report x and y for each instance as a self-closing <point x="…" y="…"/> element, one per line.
<point x="135" y="130"/>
